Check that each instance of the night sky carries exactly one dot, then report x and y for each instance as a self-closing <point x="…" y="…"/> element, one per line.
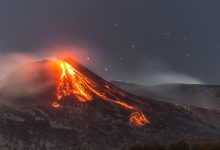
<point x="142" y="41"/>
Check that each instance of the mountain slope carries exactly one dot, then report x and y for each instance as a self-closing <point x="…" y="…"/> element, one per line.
<point x="29" y="121"/>
<point x="207" y="96"/>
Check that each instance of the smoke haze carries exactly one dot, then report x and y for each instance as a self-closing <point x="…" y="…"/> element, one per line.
<point x="149" y="72"/>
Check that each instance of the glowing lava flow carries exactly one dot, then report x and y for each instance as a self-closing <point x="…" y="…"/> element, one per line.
<point x="73" y="83"/>
<point x="138" y="119"/>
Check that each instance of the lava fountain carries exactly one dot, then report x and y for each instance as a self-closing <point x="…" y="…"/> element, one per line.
<point x="72" y="82"/>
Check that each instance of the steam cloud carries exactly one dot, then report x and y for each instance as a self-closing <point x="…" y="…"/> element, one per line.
<point x="168" y="78"/>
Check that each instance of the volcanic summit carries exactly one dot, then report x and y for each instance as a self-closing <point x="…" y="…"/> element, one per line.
<point x="60" y="104"/>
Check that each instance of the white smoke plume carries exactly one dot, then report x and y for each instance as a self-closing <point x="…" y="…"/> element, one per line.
<point x="155" y="72"/>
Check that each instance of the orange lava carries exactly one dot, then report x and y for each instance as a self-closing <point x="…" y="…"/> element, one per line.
<point x="74" y="83"/>
<point x="138" y="119"/>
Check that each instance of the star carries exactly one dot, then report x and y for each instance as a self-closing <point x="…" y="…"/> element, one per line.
<point x="188" y="54"/>
<point x="166" y="34"/>
<point x="115" y="25"/>
<point x="132" y="45"/>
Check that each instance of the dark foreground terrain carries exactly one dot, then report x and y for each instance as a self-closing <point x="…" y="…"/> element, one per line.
<point x="181" y="145"/>
<point x="28" y="121"/>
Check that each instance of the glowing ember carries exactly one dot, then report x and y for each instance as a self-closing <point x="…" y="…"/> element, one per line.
<point x="138" y="119"/>
<point x="74" y="83"/>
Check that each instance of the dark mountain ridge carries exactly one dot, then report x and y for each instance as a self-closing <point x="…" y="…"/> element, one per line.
<point x="207" y="96"/>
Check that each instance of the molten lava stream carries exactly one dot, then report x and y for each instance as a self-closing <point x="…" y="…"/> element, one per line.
<point x="74" y="83"/>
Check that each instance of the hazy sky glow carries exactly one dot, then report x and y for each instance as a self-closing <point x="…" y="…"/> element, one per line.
<point x="144" y="41"/>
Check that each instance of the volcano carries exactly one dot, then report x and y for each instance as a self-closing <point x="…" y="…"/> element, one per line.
<point x="83" y="87"/>
<point x="60" y="104"/>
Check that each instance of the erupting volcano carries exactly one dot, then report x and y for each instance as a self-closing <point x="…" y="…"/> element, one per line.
<point x="49" y="103"/>
<point x="72" y="82"/>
